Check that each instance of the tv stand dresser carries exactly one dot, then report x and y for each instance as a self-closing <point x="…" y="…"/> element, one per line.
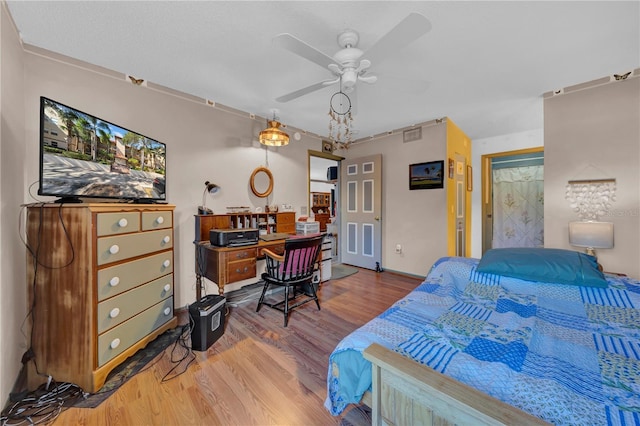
<point x="100" y="286"/>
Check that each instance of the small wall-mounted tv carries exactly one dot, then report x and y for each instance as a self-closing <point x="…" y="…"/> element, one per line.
<point x="83" y="156"/>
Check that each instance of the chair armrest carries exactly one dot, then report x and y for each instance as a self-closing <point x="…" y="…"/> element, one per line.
<point x="274" y="256"/>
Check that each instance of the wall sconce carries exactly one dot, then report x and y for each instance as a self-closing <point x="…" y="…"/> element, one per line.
<point x="591" y="235"/>
<point x="209" y="188"/>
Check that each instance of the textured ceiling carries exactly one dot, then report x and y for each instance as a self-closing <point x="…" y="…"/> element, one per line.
<point x="487" y="64"/>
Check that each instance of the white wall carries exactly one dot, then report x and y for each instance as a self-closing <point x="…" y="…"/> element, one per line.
<point x="13" y="294"/>
<point x="486" y="146"/>
<point x="414" y="219"/>
<point x="203" y="143"/>
<point x="593" y="132"/>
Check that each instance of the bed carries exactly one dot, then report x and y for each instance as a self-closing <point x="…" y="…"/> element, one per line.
<point x="516" y="344"/>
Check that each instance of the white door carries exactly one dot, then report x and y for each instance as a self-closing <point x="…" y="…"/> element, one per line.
<point x="361" y="196"/>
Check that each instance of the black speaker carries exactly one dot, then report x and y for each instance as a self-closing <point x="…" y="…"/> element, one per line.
<point x="207" y="318"/>
<point x="332" y="173"/>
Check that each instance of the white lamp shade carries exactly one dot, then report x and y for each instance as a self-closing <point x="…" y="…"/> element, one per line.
<point x="591" y="234"/>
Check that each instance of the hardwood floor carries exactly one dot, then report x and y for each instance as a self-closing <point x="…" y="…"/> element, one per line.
<point x="258" y="372"/>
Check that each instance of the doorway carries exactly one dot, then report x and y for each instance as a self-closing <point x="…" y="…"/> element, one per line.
<point x="513" y="199"/>
<point x="324" y="195"/>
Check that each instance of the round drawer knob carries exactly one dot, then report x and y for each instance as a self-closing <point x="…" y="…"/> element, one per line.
<point x="167" y="311"/>
<point x="114" y="312"/>
<point x="166" y="239"/>
<point x="167" y="287"/>
<point x="114" y="281"/>
<point x="115" y="343"/>
<point x="160" y="220"/>
<point x="166" y="263"/>
<point x="122" y="222"/>
<point x="114" y="249"/>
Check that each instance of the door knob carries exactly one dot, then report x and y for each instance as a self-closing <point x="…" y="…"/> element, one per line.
<point x="377" y="218"/>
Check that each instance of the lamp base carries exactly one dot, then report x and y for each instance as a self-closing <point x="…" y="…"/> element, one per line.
<point x="204" y="210"/>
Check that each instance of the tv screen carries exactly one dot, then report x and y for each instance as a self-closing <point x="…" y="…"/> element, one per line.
<point x="82" y="156"/>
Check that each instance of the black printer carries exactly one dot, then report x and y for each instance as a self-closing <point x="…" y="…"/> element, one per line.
<point x="233" y="237"/>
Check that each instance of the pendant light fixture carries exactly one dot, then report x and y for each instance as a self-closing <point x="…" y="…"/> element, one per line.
<point x="272" y="135"/>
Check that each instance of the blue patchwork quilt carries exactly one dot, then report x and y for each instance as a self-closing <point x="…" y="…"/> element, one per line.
<point x="566" y="354"/>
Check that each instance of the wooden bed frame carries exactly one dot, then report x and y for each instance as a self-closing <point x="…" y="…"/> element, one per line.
<point x="405" y="392"/>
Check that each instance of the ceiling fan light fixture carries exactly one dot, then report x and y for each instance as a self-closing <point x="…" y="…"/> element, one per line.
<point x="273" y="136"/>
<point x="349" y="78"/>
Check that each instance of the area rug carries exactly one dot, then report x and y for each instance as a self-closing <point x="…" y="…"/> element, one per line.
<point x="340" y="271"/>
<point x="248" y="293"/>
<point x="122" y="373"/>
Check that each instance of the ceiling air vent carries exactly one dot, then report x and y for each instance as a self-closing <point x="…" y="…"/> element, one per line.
<point x="411" y="135"/>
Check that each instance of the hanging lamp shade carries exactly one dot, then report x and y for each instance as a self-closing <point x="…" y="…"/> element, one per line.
<point x="273" y="136"/>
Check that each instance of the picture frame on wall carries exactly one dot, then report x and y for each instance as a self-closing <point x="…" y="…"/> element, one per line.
<point x="327" y="146"/>
<point x="429" y="175"/>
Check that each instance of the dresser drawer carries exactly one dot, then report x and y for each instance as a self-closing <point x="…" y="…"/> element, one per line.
<point x="118" y="339"/>
<point x="117" y="279"/>
<point x="286" y="218"/>
<point x="120" y="308"/>
<point x="276" y="248"/>
<point x="241" y="270"/>
<point x="121" y="247"/>
<point x="235" y="255"/>
<point x="156" y="220"/>
<point x="117" y="223"/>
<point x="288" y="228"/>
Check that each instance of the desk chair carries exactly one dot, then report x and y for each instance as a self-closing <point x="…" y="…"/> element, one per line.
<point x="292" y="270"/>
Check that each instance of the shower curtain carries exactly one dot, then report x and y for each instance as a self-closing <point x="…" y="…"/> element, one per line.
<point x="518" y="207"/>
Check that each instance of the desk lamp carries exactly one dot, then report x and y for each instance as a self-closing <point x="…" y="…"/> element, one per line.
<point x="210" y="188"/>
<point x="591" y="235"/>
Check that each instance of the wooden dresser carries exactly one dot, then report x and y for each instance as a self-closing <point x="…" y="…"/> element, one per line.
<point x="102" y="284"/>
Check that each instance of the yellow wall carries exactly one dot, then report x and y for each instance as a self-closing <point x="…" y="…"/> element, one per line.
<point x="457" y="143"/>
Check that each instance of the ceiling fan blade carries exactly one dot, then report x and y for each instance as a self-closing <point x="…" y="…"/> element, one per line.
<point x="300" y="92"/>
<point x="408" y="30"/>
<point x="299" y="47"/>
<point x="330" y="82"/>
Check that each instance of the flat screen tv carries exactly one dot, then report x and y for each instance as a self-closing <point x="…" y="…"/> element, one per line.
<point x="83" y="156"/>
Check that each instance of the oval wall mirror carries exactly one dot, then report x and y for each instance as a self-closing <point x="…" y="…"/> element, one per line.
<point x="261" y="182"/>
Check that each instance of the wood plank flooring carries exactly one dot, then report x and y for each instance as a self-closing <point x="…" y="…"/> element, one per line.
<point x="258" y="372"/>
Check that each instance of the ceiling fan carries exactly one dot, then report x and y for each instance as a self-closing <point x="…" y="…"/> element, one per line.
<point x="350" y="64"/>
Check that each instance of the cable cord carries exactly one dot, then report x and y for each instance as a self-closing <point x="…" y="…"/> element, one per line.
<point x="42" y="405"/>
<point x="183" y="341"/>
<point x="34" y="252"/>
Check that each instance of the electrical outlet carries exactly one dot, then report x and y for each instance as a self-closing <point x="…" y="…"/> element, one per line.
<point x="398" y="248"/>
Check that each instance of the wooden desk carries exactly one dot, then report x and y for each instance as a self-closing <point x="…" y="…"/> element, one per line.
<point x="225" y="265"/>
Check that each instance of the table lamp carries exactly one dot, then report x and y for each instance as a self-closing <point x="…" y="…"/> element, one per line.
<point x="591" y="235"/>
<point x="209" y="188"/>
